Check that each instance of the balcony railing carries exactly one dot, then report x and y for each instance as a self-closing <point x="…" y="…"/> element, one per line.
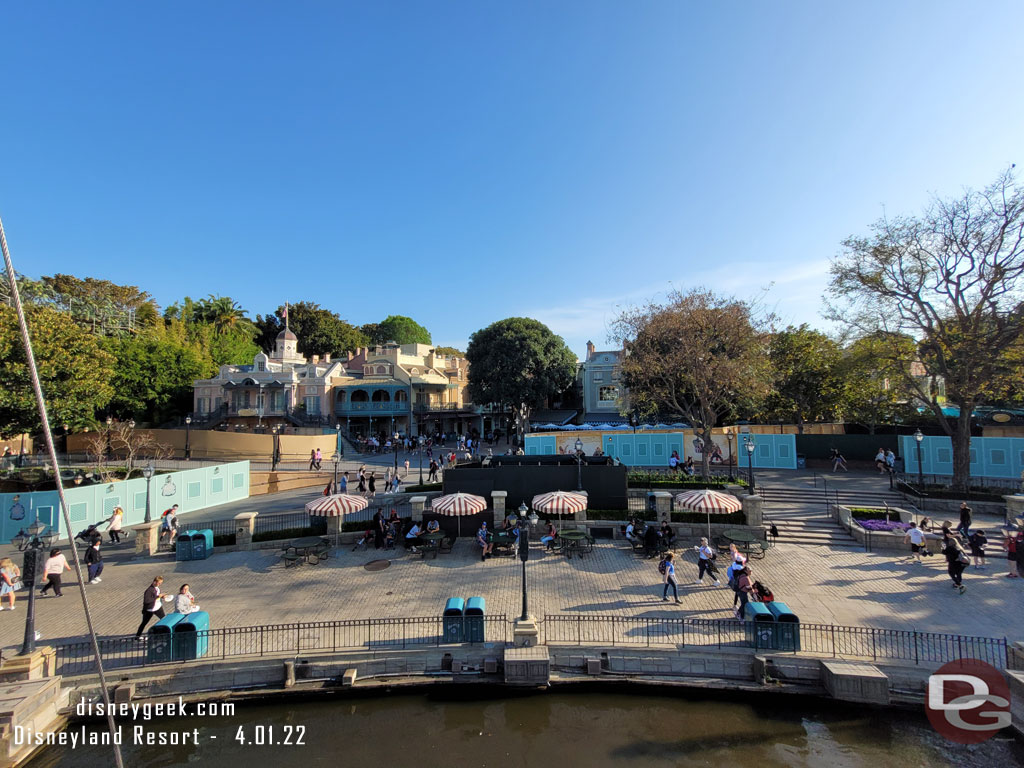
<point x="373" y="407"/>
<point x="432" y="407"/>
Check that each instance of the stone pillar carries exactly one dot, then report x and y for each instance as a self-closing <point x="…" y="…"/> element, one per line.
<point x="498" y="503"/>
<point x="752" y="508"/>
<point x="147" y="539"/>
<point x="662" y="505"/>
<point x="417" y="503"/>
<point x="1014" y="507"/>
<point x="245" y="523"/>
<point x="42" y="662"/>
<point x="581" y="516"/>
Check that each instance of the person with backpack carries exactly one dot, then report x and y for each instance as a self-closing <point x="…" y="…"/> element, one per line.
<point x="745" y="589"/>
<point x="706" y="562"/>
<point x="956" y="560"/>
<point x="738" y="561"/>
<point x="667" y="569"/>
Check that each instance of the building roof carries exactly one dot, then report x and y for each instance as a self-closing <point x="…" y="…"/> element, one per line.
<point x="287" y="334"/>
<point x="553" y="416"/>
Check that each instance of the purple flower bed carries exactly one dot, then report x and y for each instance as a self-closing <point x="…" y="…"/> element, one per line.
<point x="883" y="525"/>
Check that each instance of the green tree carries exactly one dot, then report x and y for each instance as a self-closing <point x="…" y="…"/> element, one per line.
<point x="518" y="362"/>
<point x="154" y="375"/>
<point x="806" y="381"/>
<point x="694" y="357"/>
<point x="101" y="303"/>
<point x="874" y="392"/>
<point x="318" y="330"/>
<point x="75" y="372"/>
<point x="449" y="351"/>
<point x="953" y="279"/>
<point x="217" y="326"/>
<point x="224" y="314"/>
<point x="397" y="328"/>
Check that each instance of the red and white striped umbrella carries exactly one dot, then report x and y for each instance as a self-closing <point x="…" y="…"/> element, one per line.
<point x="708" y="501"/>
<point x="458" y="504"/>
<point x="559" y="502"/>
<point x="336" y="506"/>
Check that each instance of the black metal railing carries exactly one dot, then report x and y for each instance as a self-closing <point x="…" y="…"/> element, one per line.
<point x="281" y="639"/>
<point x="817" y="639"/>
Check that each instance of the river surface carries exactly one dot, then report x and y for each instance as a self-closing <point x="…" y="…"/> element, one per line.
<point x="560" y="730"/>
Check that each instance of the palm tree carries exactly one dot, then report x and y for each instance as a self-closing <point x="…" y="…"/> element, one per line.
<point x="223" y="313"/>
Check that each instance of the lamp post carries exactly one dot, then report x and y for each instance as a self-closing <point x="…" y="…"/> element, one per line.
<point x="394" y="445"/>
<point x="336" y="457"/>
<point x="275" y="455"/>
<point x="110" y="421"/>
<point x="524" y="555"/>
<point x="35" y="543"/>
<point x="579" y="464"/>
<point x="419" y="454"/>
<point x="728" y="439"/>
<point x="67" y="454"/>
<point x="337" y="439"/>
<point x="919" y="438"/>
<point x="749" y="445"/>
<point x="147" y="472"/>
<point x="188" y="435"/>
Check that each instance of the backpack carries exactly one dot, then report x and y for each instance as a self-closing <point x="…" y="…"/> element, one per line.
<point x="663" y="567"/>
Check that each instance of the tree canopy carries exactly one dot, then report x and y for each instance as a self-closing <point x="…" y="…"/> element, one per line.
<point x="806" y="381"/>
<point x="74" y="370"/>
<point x="695" y="356"/>
<point x="518" y="362"/>
<point x="397" y="328"/>
<point x="951" y="278"/>
<point x="318" y="330"/>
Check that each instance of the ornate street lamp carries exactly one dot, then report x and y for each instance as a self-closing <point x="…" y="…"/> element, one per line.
<point x="188" y="442"/>
<point x="275" y="450"/>
<point x="394" y="445"/>
<point x="147" y="472"/>
<point x="35" y="543"/>
<point x="337" y="439"/>
<point x="919" y="438"/>
<point x="110" y="421"/>
<point x="728" y="439"/>
<point x="749" y="444"/>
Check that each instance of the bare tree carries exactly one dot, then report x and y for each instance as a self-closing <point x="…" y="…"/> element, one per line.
<point x="695" y="356"/>
<point x="953" y="280"/>
<point x="121" y="443"/>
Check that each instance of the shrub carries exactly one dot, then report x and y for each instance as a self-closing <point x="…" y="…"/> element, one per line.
<point x="287" y="533"/>
<point x="873" y="513"/>
<point x="619" y="514"/>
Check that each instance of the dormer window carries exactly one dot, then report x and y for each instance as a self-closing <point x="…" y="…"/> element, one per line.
<point x="414" y="371"/>
<point x="261" y="366"/>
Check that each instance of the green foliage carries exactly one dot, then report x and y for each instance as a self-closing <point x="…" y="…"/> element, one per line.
<point x="397" y="328"/>
<point x="873" y="513"/>
<point x="75" y="371"/>
<point x="449" y="351"/>
<point x="666" y="478"/>
<point x="154" y="375"/>
<point x="318" y="330"/>
<point x="100" y="305"/>
<point x="518" y="361"/>
<point x="874" y="391"/>
<point x="620" y="514"/>
<point x="807" y="383"/>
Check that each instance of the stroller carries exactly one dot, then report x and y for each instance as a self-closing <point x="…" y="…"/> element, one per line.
<point x="763" y="592"/>
<point x="88" y="536"/>
<point x="363" y="542"/>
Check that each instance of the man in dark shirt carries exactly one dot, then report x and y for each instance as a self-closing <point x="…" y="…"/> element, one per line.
<point x="965" y="520"/>
<point x="151" y="605"/>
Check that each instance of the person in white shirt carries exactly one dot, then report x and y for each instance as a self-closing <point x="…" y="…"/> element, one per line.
<point x="916" y="538"/>
<point x="705" y="562"/>
<point x="631" y="531"/>
<point x="880" y="460"/>
<point x="55" y="565"/>
<point x="412" y="537"/>
<point x="185" y="601"/>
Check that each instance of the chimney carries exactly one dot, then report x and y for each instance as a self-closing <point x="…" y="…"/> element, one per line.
<point x="314" y="359"/>
<point x="327" y="357"/>
<point x="590" y="349"/>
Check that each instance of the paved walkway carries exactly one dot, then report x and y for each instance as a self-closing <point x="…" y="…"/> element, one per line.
<point x="820" y="584"/>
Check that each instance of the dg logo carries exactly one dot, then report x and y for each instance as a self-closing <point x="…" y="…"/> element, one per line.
<point x="968" y="701"/>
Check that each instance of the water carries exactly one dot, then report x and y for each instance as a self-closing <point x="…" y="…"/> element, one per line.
<point x="565" y="730"/>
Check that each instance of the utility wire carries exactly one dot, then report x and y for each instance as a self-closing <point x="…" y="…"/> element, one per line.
<point x="44" y="418"/>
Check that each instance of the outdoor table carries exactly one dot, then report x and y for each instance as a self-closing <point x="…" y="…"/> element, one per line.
<point x="748" y="541"/>
<point x="309" y="547"/>
<point x="502" y="540"/>
<point x="430" y="542"/>
<point x="575" y="541"/>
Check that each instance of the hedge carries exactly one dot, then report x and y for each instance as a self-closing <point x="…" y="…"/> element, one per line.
<point x="873" y="513"/>
<point x="423" y="488"/>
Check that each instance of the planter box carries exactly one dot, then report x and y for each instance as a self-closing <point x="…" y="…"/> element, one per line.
<point x="884" y="540"/>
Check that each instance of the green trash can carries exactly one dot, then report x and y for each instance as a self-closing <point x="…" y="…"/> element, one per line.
<point x="161" y="639"/>
<point x="202" y="544"/>
<point x="760" y="626"/>
<point x="452" y="620"/>
<point x="190" y="638"/>
<point x="184" y="546"/>
<point x="787" y="627"/>
<point x="474" y="632"/>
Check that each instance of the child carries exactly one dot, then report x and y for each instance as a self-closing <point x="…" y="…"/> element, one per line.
<point x="978" y="541"/>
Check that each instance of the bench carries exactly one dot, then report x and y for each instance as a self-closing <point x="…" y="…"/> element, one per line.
<point x="290" y="559"/>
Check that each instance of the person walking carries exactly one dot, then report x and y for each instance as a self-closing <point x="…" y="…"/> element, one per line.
<point x="668" y="575"/>
<point x="54" y="566"/>
<point x="916" y="537"/>
<point x="343" y="483"/>
<point x="956" y="560"/>
<point x="745" y="588"/>
<point x="169" y="526"/>
<point x="372" y="485"/>
<point x="312" y="460"/>
<point x="1014" y="543"/>
<point x="880" y="461"/>
<point x="319" y="459"/>
<point x="978" y="541"/>
<point x="965" y="521"/>
<point x="838" y="461"/>
<point x="705" y="562"/>
<point x="114" y="523"/>
<point x="362" y="483"/>
<point x="10" y="580"/>
<point x="94" y="561"/>
<point x="151" y="605"/>
<point x="738" y="561"/>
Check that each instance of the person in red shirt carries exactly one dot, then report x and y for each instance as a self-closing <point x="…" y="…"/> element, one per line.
<point x="1014" y="543"/>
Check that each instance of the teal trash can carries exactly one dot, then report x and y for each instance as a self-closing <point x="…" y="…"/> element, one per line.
<point x="190" y="638"/>
<point x="760" y="626"/>
<point x="474" y="632"/>
<point x="452" y="619"/>
<point x="202" y="544"/>
<point x="787" y="627"/>
<point x="184" y="546"/>
<point x="161" y="638"/>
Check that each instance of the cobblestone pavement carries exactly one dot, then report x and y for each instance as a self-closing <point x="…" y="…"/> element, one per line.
<point x="820" y="584"/>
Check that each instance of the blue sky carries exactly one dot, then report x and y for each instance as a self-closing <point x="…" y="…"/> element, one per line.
<point x="462" y="162"/>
